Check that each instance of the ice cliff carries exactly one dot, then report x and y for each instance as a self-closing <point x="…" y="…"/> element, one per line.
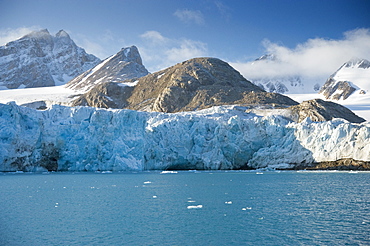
<point x="83" y="138"/>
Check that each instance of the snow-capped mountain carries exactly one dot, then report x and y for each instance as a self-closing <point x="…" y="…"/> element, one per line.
<point x="351" y="79"/>
<point x="266" y="72"/>
<point x="126" y="64"/>
<point x="90" y="139"/>
<point x="39" y="59"/>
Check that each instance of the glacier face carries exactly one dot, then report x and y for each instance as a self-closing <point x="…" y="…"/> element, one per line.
<point x="90" y="139"/>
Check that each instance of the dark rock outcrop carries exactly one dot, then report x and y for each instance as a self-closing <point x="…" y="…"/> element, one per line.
<point x="337" y="90"/>
<point x="344" y="164"/>
<point x="320" y="110"/>
<point x="107" y="95"/>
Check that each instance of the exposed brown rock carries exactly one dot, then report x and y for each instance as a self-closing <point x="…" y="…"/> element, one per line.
<point x="107" y="95"/>
<point x="341" y="164"/>
<point x="320" y="110"/>
<point x="197" y="84"/>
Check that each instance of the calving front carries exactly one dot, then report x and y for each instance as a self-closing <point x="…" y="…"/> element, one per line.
<point x="90" y="139"/>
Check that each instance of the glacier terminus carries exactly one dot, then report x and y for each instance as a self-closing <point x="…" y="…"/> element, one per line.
<point x="223" y="137"/>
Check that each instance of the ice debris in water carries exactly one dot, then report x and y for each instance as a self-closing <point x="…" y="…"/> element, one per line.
<point x="195" y="207"/>
<point x="229" y="202"/>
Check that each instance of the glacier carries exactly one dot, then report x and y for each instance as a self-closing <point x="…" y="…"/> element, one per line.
<point x="225" y="137"/>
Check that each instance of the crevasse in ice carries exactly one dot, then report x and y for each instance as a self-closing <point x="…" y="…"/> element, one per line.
<point x="90" y="139"/>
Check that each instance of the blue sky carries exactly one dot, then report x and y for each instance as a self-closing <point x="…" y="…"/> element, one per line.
<point x="170" y="31"/>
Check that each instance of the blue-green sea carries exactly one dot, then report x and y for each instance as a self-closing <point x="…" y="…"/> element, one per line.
<point x="185" y="208"/>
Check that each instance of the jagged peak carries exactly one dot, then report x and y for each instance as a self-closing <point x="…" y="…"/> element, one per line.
<point x="62" y="34"/>
<point x="357" y="62"/>
<point x="267" y="57"/>
<point x="38" y="34"/>
<point x="130" y="54"/>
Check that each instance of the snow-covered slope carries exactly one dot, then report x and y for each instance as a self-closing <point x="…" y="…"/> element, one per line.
<point x="126" y="64"/>
<point x="40" y="59"/>
<point x="275" y="75"/>
<point x="84" y="138"/>
<point x="352" y="79"/>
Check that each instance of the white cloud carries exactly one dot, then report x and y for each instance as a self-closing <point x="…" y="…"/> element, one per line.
<point x="223" y="9"/>
<point x="315" y="58"/>
<point x="190" y="16"/>
<point x="154" y="37"/>
<point x="159" y="52"/>
<point x="7" y="35"/>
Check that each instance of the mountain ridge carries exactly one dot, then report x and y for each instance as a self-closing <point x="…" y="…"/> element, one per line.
<point x="39" y="59"/>
<point x="352" y="76"/>
<point x="126" y="64"/>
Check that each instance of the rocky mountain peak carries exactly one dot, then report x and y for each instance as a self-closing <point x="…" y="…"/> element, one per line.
<point x="267" y="57"/>
<point x="126" y="64"/>
<point x="130" y="54"/>
<point x="357" y="63"/>
<point x="62" y="34"/>
<point x="39" y="59"/>
<point x="352" y="76"/>
<point x="43" y="33"/>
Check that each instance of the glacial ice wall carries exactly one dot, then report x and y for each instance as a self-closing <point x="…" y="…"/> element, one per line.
<point x="90" y="139"/>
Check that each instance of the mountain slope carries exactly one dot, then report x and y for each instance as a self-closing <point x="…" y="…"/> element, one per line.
<point x="352" y="78"/>
<point x="191" y="85"/>
<point x="39" y="59"/>
<point x="274" y="75"/>
<point x="320" y="110"/>
<point x="126" y="64"/>
<point x="197" y="84"/>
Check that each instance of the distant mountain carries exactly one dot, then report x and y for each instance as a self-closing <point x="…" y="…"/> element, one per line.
<point x="280" y="84"/>
<point x="195" y="84"/>
<point x="126" y="64"/>
<point x="39" y="59"/>
<point x="352" y="78"/>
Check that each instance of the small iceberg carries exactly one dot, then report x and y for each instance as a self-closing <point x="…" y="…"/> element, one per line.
<point x="164" y="172"/>
<point x="195" y="207"/>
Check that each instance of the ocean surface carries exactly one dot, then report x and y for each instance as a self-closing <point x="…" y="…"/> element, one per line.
<point x="185" y="208"/>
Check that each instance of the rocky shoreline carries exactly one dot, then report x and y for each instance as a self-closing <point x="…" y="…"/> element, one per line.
<point x="345" y="164"/>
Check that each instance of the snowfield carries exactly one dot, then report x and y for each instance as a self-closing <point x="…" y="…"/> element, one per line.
<point x="91" y="139"/>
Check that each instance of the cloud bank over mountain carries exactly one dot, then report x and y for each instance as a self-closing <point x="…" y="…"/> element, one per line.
<point x="164" y="52"/>
<point x="318" y="57"/>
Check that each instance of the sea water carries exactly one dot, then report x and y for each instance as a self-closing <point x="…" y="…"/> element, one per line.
<point x="185" y="208"/>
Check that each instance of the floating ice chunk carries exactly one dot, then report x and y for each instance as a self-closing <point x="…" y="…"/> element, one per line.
<point x="164" y="172"/>
<point x="147" y="182"/>
<point x="195" y="207"/>
<point x="246" y="208"/>
<point x="191" y="201"/>
<point x="154" y="196"/>
<point x="229" y="202"/>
